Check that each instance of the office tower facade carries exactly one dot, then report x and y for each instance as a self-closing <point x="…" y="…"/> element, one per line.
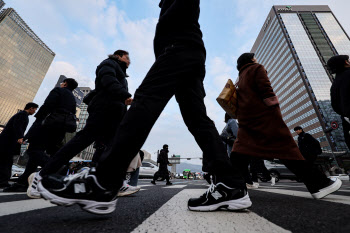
<point x="88" y="153"/>
<point x="2" y="4"/>
<point x="294" y="45"/>
<point x="24" y="62"/>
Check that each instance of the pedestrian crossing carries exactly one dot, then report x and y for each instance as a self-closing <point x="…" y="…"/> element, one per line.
<point x="173" y="216"/>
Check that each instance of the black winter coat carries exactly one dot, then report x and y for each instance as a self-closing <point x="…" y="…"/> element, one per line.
<point x="340" y="93"/>
<point x="58" y="100"/>
<point x="178" y="24"/>
<point x="13" y="131"/>
<point x="308" y="146"/>
<point x="110" y="85"/>
<point x="163" y="162"/>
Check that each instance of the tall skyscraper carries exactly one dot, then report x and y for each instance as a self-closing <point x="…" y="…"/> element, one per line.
<point x="2" y="4"/>
<point x="24" y="62"/>
<point x="88" y="153"/>
<point x="294" y="45"/>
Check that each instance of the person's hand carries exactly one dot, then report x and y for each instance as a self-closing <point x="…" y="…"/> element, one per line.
<point x="128" y="101"/>
<point x="20" y="141"/>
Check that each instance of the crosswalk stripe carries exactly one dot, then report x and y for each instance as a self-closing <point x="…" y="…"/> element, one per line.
<point x="331" y="198"/>
<point x="15" y="207"/>
<point x="174" y="216"/>
<point x="175" y="186"/>
<point x="7" y="194"/>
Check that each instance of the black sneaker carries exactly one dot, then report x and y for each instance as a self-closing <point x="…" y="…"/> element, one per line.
<point x="16" y="188"/>
<point x="169" y="183"/>
<point x="81" y="188"/>
<point x="4" y="185"/>
<point x="153" y="182"/>
<point x="220" y="196"/>
<point x="329" y="188"/>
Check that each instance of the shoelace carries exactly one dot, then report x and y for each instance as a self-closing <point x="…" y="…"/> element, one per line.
<point x="82" y="174"/>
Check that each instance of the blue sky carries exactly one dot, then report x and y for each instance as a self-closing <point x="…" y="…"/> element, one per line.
<point x="83" y="32"/>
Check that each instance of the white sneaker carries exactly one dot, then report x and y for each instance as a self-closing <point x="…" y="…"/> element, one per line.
<point x="253" y="186"/>
<point x="127" y="189"/>
<point x="273" y="181"/>
<point x="33" y="181"/>
<point x="333" y="186"/>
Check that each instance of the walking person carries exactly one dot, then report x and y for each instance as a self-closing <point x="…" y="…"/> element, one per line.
<point x="262" y="132"/>
<point x="308" y="145"/>
<point x="44" y="139"/>
<point x="179" y="70"/>
<point x="340" y="91"/>
<point x="11" y="139"/>
<point x="229" y="133"/>
<point x="107" y="105"/>
<point x="163" y="166"/>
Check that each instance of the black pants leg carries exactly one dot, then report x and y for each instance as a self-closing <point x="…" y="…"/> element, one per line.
<point x="79" y="142"/>
<point x="313" y="178"/>
<point x="37" y="157"/>
<point x="241" y="163"/>
<point x="6" y="162"/>
<point x="346" y="131"/>
<point x="179" y="71"/>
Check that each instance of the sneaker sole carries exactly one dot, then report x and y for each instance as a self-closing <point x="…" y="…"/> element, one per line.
<point x="238" y="204"/>
<point x="328" y="190"/>
<point x="93" y="207"/>
<point x="126" y="193"/>
<point x="29" y="190"/>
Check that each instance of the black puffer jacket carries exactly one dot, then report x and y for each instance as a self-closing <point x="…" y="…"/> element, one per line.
<point x="178" y="23"/>
<point x="110" y="85"/>
<point x="340" y="93"/>
<point x="59" y="99"/>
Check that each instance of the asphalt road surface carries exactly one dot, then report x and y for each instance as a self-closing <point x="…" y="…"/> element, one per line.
<point x="285" y="207"/>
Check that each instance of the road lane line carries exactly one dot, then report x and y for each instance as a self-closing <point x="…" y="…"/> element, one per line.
<point x="174" y="217"/>
<point x="331" y="198"/>
<point x="175" y="186"/>
<point x="7" y="194"/>
<point x="15" y="207"/>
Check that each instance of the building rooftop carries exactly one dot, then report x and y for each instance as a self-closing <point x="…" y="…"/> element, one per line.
<point x="10" y="12"/>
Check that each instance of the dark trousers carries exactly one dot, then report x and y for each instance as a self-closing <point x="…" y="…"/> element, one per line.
<point x="313" y="178"/>
<point x="96" y="129"/>
<point x="258" y="166"/>
<point x="163" y="175"/>
<point x="179" y="71"/>
<point x="346" y="131"/>
<point x="44" y="142"/>
<point x="6" y="162"/>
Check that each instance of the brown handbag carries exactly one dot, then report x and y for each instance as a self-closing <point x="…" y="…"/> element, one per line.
<point x="228" y="99"/>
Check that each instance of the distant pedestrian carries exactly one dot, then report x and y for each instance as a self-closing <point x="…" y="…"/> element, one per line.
<point x="309" y="147"/>
<point x="262" y="132"/>
<point x="47" y="132"/>
<point x="163" y="166"/>
<point x="229" y="133"/>
<point x="107" y="105"/>
<point x="11" y="139"/>
<point x="340" y="91"/>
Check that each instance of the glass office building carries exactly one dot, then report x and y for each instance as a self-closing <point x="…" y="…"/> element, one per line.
<point x="2" y="4"/>
<point x="87" y="153"/>
<point x="24" y="62"/>
<point x="294" y="45"/>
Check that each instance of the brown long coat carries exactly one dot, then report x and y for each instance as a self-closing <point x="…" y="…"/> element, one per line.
<point x="262" y="131"/>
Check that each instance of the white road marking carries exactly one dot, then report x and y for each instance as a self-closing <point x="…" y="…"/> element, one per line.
<point x="15" y="207"/>
<point x="145" y="185"/>
<point x="7" y="194"/>
<point x="331" y="198"/>
<point x="174" y="217"/>
<point x="175" y="186"/>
